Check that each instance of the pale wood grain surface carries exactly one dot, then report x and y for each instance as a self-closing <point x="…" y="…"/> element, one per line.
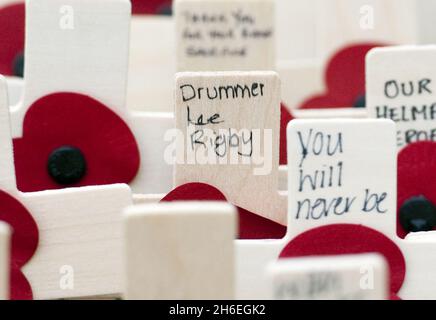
<point x="180" y="251"/>
<point x="346" y="277"/>
<point x="258" y="113"/>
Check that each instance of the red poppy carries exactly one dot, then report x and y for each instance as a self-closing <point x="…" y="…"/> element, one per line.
<point x="285" y="118"/>
<point x="345" y="79"/>
<point x="11" y="38"/>
<point x="343" y="239"/>
<point x="24" y="243"/>
<point x="251" y="226"/>
<point x="72" y="140"/>
<point x="417" y="181"/>
<point x="151" y="6"/>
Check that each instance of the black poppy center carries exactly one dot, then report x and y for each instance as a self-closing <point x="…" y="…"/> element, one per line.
<point x="66" y="165"/>
<point x="360" y="102"/>
<point x="418" y="214"/>
<point x="18" y="65"/>
<point x="165" y="10"/>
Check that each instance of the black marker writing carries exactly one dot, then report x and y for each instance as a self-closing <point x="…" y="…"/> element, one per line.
<point x="323" y="208"/>
<point x="223" y="141"/>
<point x="233" y="91"/>
<point x="326" y="178"/>
<point x="393" y="88"/>
<point x="373" y="202"/>
<point x="319" y="143"/>
<point x="201" y="120"/>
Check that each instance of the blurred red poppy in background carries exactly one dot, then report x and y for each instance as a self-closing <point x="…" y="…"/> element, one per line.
<point x="340" y="239"/>
<point x="345" y="80"/>
<point x="12" y="19"/>
<point x="151" y="6"/>
<point x="416" y="197"/>
<point x="285" y="118"/>
<point x="24" y="243"/>
<point x="251" y="225"/>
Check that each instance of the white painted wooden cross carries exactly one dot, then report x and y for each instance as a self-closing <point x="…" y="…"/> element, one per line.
<point x="225" y="35"/>
<point x="77" y="40"/>
<point x="151" y="63"/>
<point x="329" y="27"/>
<point x="5" y="252"/>
<point x="329" y="184"/>
<point x="228" y="137"/>
<point x="362" y="169"/>
<point x="369" y="163"/>
<point x="347" y="277"/>
<point x="208" y="35"/>
<point x="82" y="47"/>
<point x="401" y="85"/>
<point x="334" y="174"/>
<point x="63" y="265"/>
<point x="342" y="22"/>
<point x="180" y="250"/>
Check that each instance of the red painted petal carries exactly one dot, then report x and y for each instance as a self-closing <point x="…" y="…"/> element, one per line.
<point x="394" y="297"/>
<point x="20" y="288"/>
<point x="416" y="175"/>
<point x="25" y="239"/>
<point x="251" y="226"/>
<point x="285" y="118"/>
<point x="149" y="6"/>
<point x="325" y="102"/>
<point x="349" y="239"/>
<point x="193" y="192"/>
<point x="60" y="119"/>
<point x="344" y="77"/>
<point x="11" y="36"/>
<point x="255" y="227"/>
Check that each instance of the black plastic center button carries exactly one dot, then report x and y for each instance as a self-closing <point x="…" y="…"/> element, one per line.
<point x="165" y="10"/>
<point x="18" y="65"/>
<point x="360" y="102"/>
<point x="418" y="214"/>
<point x="66" y="165"/>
